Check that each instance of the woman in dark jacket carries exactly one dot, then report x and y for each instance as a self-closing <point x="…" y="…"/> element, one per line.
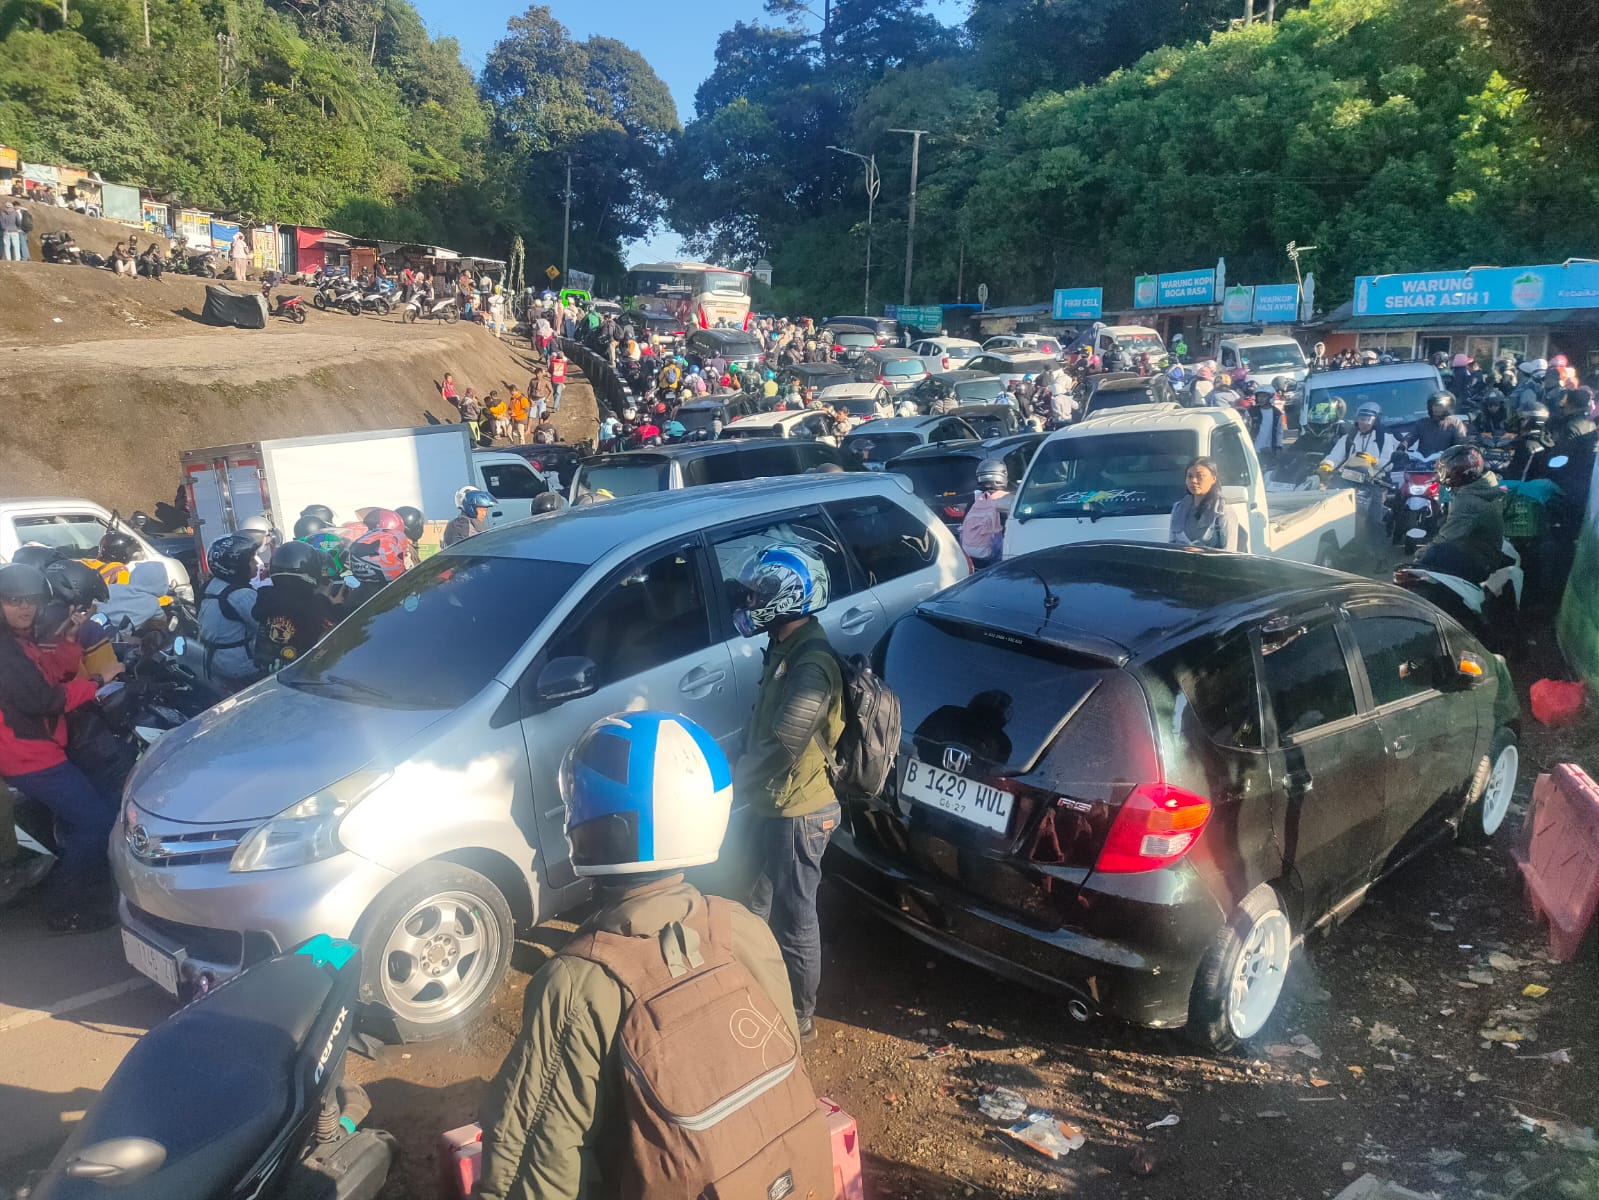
<point x="1201" y="517"/>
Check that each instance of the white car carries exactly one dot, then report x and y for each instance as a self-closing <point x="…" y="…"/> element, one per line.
<point x="75" y="528"/>
<point x="863" y="401"/>
<point x="945" y="353"/>
<point x="1011" y="343"/>
<point x="800" y="424"/>
<point x="1011" y="365"/>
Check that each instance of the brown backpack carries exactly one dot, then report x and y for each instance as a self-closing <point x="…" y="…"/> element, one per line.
<point x="718" y="1103"/>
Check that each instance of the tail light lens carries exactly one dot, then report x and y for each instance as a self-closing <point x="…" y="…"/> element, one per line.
<point x="955" y="511"/>
<point x="1432" y="490"/>
<point x="704" y="320"/>
<point x="946" y="362"/>
<point x="747" y="317"/>
<point x="1156" y="826"/>
<point x="838" y="349"/>
<point x="883" y="379"/>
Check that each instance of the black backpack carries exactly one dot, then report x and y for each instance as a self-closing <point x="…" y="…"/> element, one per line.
<point x="25" y="220"/>
<point x="858" y="767"/>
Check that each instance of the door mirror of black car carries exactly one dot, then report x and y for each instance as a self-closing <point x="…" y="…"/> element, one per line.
<point x="564" y="679"/>
<point x="1461" y="671"/>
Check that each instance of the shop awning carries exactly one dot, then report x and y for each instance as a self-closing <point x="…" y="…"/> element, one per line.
<point x="1554" y="318"/>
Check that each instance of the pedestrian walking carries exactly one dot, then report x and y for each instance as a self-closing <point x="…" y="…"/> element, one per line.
<point x="11" y="231"/>
<point x="557" y="379"/>
<point x="239" y="253"/>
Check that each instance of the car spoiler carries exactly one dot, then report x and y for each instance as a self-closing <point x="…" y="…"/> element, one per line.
<point x="1041" y="628"/>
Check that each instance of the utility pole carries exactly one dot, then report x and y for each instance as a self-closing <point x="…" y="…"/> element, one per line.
<point x="910" y="228"/>
<point x="566" y="233"/>
<point x="146" y="24"/>
<point x="874" y="184"/>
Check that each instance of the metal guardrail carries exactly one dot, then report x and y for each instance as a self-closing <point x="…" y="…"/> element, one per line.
<point x="609" y="390"/>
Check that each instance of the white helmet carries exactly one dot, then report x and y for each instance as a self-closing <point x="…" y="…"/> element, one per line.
<point x="1534" y="367"/>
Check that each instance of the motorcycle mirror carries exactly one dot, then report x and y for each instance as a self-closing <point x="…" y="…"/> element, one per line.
<point x="1558" y="461"/>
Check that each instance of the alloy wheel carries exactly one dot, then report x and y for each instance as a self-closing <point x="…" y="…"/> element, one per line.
<point x="439" y="958"/>
<point x="1262" y="967"/>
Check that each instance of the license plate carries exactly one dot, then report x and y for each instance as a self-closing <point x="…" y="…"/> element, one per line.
<point x="151" y="962"/>
<point x="965" y="798"/>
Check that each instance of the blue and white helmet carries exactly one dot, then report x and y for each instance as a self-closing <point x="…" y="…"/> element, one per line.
<point x="783" y="582"/>
<point x="645" y="791"/>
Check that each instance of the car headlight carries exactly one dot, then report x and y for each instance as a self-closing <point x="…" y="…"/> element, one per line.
<point x="305" y="832"/>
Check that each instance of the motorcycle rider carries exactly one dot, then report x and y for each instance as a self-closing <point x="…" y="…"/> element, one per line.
<point x="474" y="519"/>
<point x="1530" y="389"/>
<point x="983" y="526"/>
<point x="294" y="613"/>
<point x="1533" y="438"/>
<point x="415" y="526"/>
<point x="1441" y="430"/>
<point x="227" y="613"/>
<point x="1470" y="543"/>
<point x="1492" y="418"/>
<point x="40" y="682"/>
<point x="116" y="551"/>
<point x="384" y="543"/>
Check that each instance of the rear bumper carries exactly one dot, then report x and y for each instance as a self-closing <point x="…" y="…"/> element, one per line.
<point x="1113" y="978"/>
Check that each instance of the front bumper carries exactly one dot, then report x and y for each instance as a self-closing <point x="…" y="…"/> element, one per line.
<point x="1114" y="978"/>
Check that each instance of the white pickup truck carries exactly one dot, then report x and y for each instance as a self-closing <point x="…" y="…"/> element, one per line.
<point x="75" y="527"/>
<point x="1117" y="476"/>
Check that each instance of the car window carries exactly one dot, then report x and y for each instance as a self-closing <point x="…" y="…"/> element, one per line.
<point x="1307" y="679"/>
<point x="1016" y="463"/>
<point x="949" y="431"/>
<point x="817" y="425"/>
<point x="1219" y="685"/>
<point x="512" y="481"/>
<point x="735" y="551"/>
<point x="887" y="541"/>
<point x="654" y="613"/>
<point x="1232" y="460"/>
<point x="780" y="457"/>
<point x="1227" y="358"/>
<point x="623" y="478"/>
<point x="1400" y="653"/>
<point x="75" y="534"/>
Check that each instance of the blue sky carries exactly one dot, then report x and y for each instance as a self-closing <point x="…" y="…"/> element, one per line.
<point x="679" y="40"/>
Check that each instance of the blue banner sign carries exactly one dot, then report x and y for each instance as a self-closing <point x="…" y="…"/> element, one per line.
<point x="1188" y="287"/>
<point x="1076" y="304"/>
<point x="1486" y="289"/>
<point x="1277" y="303"/>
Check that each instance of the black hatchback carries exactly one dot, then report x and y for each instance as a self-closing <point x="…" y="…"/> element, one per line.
<point x="944" y="474"/>
<point x="1140" y="774"/>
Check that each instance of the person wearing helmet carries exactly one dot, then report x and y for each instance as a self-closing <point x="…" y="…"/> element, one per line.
<point x="1441" y="429"/>
<point x="1533" y="438"/>
<point x="1270" y="422"/>
<point x="260" y="528"/>
<point x="474" y="519"/>
<point x="36" y="555"/>
<point x="227" y="613"/>
<point x="116" y="551"/>
<point x="1529" y="387"/>
<point x="294" y="613"/>
<point x="1369" y="358"/>
<point x="1470" y="543"/>
<point x="384" y="543"/>
<point x="333" y="549"/>
<point x="1366" y="441"/>
<point x="983" y="527"/>
<point x="784" y="773"/>
<point x="1493" y="417"/>
<point x="40" y="683"/>
<point x="321" y="512"/>
<point x="556" y="1118"/>
<point x="549" y="502"/>
<point x="414" y="525"/>
<point x="1202" y="518"/>
<point x="308" y="525"/>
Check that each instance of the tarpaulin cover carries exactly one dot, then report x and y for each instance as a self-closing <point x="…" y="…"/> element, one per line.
<point x="222" y="235"/>
<point x="224" y="307"/>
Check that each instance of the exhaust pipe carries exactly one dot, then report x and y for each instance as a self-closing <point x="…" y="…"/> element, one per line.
<point x="1078" y="1010"/>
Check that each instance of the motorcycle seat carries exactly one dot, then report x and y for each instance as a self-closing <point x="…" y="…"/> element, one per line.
<point x="212" y="1085"/>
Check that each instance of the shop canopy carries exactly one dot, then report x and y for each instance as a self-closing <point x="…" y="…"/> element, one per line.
<point x="1550" y="318"/>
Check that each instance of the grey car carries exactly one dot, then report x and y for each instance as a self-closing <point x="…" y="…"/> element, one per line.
<point x="399" y="784"/>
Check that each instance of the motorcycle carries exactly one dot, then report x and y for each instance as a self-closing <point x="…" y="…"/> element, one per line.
<point x="60" y="248"/>
<point x="1422" y="500"/>
<point x="292" y="307"/>
<point x="1489" y="610"/>
<point x="374" y="299"/>
<point x="241" y="1094"/>
<point x="445" y="310"/>
<point x="331" y="291"/>
<point x="201" y="264"/>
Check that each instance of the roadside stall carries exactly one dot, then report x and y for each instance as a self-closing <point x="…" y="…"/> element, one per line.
<point x="10" y="166"/>
<point x="194" y="230"/>
<point x="154" y="217"/>
<point x="263" y="240"/>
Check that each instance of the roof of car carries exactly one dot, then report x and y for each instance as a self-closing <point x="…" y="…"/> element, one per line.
<point x="1125" y="383"/>
<point x="588" y="533"/>
<point x="962" y="376"/>
<point x="714" y="402"/>
<point x="851" y="391"/>
<point x="895" y="425"/>
<point x="846" y="327"/>
<point x="951" y="341"/>
<point x="770" y="418"/>
<point x="1029" y="356"/>
<point x="821" y="368"/>
<point x="1120" y="601"/>
<point x="1355" y="376"/>
<point x="981" y="410"/>
<point x="892" y="354"/>
<point x="1259" y="339"/>
<point x="871" y="322"/>
<point x="967" y="448"/>
<point x="1147" y="418"/>
<point x="736" y="334"/>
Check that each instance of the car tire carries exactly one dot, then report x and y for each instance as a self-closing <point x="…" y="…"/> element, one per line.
<point x="435" y="946"/>
<point x="1491" y="790"/>
<point x="1241" y="977"/>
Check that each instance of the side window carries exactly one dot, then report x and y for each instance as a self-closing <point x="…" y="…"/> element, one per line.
<point x="1016" y="463"/>
<point x="735" y="551"/>
<point x="75" y="534"/>
<point x="1227" y="358"/>
<point x="1232" y="460"/>
<point x="1220" y="687"/>
<point x="772" y="457"/>
<point x="1400" y="653"/>
<point x="816" y="426"/>
<point x="1307" y="679"/>
<point x="511" y="481"/>
<point x="888" y="542"/>
<point x="654" y="613"/>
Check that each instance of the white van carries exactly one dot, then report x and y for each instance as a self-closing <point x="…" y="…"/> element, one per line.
<point x="1267" y="355"/>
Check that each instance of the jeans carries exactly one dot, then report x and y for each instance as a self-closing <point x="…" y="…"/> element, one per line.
<point x="13" y="244"/>
<point x="789" y="852"/>
<point x="83" y="821"/>
<point x="556" y="402"/>
<point x="22" y="243"/>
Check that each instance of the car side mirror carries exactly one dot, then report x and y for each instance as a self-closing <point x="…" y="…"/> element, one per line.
<point x="1235" y="494"/>
<point x="1460" y="672"/>
<point x="569" y="678"/>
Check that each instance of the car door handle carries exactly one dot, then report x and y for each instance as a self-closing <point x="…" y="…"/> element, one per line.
<point x="497" y="513"/>
<point x="856" y="619"/>
<point x="1299" y="781"/>
<point x="700" y="680"/>
<point x="1403" y="746"/>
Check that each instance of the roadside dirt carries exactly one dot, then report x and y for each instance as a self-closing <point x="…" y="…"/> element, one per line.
<point x="109" y="379"/>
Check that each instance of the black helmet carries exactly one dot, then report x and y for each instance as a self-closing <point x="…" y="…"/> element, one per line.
<point x="232" y="558"/>
<point x="75" y="582"/>
<point x="1493" y="398"/>
<point x="549" y="502"/>
<point x="1533" y="416"/>
<point x="117" y="547"/>
<point x="1441" y="404"/>
<point x="37" y="556"/>
<point x="1283" y="383"/>
<point x="308" y="525"/>
<point x="992" y="473"/>
<point x="300" y="561"/>
<point x="20" y="581"/>
<point x="1460" y="465"/>
<point x="414" y="521"/>
<point x="320" y="511"/>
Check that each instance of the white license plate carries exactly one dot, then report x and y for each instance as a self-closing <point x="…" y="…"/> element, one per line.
<point x="965" y="798"/>
<point x="151" y="962"/>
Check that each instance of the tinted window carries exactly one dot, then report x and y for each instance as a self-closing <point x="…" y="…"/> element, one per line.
<point x="779" y="458"/>
<point x="437" y="635"/>
<point x="940" y="481"/>
<point x="714" y="468"/>
<point x="1398" y="398"/>
<point x="1306" y="679"/>
<point x="814" y="454"/>
<point x="699" y="419"/>
<point x="1110" y="474"/>
<point x="888" y="542"/>
<point x="1401" y="655"/>
<point x="1232" y="460"/>
<point x="512" y="482"/>
<point x="978" y="391"/>
<point x="1219" y="685"/>
<point x="654" y="613"/>
<point x="879" y="448"/>
<point x="624" y="479"/>
<point x="903" y="366"/>
<point x="1271" y="358"/>
<point x="735" y="551"/>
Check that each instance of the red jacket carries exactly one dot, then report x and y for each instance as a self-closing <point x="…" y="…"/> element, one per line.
<point x="38" y="687"/>
<point x="558" y="370"/>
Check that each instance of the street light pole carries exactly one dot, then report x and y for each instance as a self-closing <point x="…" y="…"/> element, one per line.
<point x="910" y="228"/>
<point x="874" y="184"/>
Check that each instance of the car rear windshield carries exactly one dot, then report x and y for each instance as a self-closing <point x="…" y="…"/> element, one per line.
<point x="1401" y="399"/>
<point x="625" y="479"/>
<point x="854" y="339"/>
<point x="988" y="425"/>
<point x="734" y="345"/>
<point x="697" y="419"/>
<point x="936" y="480"/>
<point x="437" y="635"/>
<point x="880" y="447"/>
<point x="1111" y="475"/>
<point x="856" y="406"/>
<point x="1121" y="397"/>
<point x="1273" y="358"/>
<point x="903" y="366"/>
<point x="1007" y="704"/>
<point x="962" y="353"/>
<point x="734" y="432"/>
<point x="979" y="391"/>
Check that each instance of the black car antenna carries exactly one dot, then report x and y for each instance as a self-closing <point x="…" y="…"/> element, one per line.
<point x="1051" y="600"/>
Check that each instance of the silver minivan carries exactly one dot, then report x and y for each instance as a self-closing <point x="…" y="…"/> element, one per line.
<point x="399" y="784"/>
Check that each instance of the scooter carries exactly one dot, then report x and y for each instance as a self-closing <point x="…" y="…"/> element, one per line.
<point x="331" y="291"/>
<point x="292" y="307"/>
<point x="376" y="299"/>
<point x="1489" y="610"/>
<point x="445" y="310"/>
<point x="1420" y="514"/>
<point x="239" y="1095"/>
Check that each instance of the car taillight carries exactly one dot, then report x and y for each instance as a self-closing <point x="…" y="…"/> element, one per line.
<point x="955" y="511"/>
<point x="838" y="349"/>
<point x="1156" y="826"/>
<point x="882" y="379"/>
<point x="946" y="362"/>
<point x="1432" y="490"/>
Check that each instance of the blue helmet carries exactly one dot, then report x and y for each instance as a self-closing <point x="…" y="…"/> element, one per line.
<point x="783" y="582"/>
<point x="473" y="499"/>
<point x="645" y="791"/>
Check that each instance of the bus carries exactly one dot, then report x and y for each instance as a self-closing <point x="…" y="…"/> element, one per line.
<point x="698" y="294"/>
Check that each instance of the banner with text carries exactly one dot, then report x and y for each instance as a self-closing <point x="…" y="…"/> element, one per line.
<point x="1485" y="289"/>
<point x="926" y="317"/>
<point x="1277" y="303"/>
<point x="1079" y="304"/>
<point x="1175" y="290"/>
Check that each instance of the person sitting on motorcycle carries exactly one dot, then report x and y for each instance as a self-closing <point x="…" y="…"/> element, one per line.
<point x="1529" y="388"/>
<point x="474" y="519"/>
<point x="1572" y="419"/>
<point x="1533" y="438"/>
<point x="227" y="613"/>
<point x="1366" y="442"/>
<point x="294" y="613"/>
<point x="983" y="527"/>
<point x="1441" y="430"/>
<point x="1492" y="419"/>
<point x="384" y="543"/>
<point x="1470" y="543"/>
<point x="116" y="551"/>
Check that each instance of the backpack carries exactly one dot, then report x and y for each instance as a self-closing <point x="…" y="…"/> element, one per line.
<point x="718" y="1105"/>
<point x="982" y="528"/>
<point x="25" y="220"/>
<point x="858" y="767"/>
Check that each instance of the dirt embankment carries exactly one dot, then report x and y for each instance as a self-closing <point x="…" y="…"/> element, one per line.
<point x="109" y="379"/>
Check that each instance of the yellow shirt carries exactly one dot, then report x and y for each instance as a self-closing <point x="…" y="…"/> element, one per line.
<point x="520" y="407"/>
<point x="497" y="410"/>
<point x="769" y="388"/>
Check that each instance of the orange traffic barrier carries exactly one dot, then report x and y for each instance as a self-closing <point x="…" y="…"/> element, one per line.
<point x="1560" y="868"/>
